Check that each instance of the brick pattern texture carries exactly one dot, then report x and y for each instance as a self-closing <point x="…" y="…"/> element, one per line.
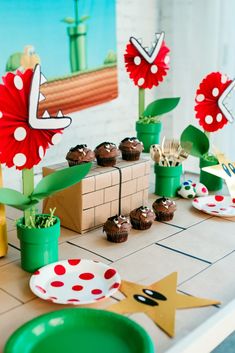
<point x="88" y="204"/>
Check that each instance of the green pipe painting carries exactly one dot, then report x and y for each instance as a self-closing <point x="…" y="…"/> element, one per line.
<point x="77" y="41"/>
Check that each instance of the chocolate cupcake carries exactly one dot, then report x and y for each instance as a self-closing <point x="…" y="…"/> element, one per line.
<point x="131" y="148"/>
<point x="142" y="218"/>
<point x="79" y="154"/>
<point x="106" y="154"/>
<point x="117" y="228"/>
<point x="164" y="209"/>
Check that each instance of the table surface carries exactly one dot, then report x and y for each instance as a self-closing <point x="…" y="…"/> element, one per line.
<point x="199" y="247"/>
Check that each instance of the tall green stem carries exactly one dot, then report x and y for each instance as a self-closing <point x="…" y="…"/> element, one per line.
<point x="76" y="12"/>
<point x="28" y="187"/>
<point x="141" y="101"/>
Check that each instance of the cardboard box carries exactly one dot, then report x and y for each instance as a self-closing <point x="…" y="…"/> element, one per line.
<point x="88" y="204"/>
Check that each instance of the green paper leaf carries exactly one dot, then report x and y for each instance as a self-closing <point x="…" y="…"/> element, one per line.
<point x="199" y="141"/>
<point x="14" y="198"/>
<point x="68" y="20"/>
<point x="161" y="106"/>
<point x="83" y="18"/>
<point x="60" y="180"/>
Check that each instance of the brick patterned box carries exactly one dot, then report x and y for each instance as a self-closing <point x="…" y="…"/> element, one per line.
<point x="88" y="204"/>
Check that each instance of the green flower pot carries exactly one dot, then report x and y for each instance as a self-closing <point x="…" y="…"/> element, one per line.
<point x="149" y="134"/>
<point x="167" y="180"/>
<point x="39" y="246"/>
<point x="212" y="182"/>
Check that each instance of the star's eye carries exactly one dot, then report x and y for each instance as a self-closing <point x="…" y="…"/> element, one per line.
<point x="154" y="294"/>
<point x="225" y="168"/>
<point x="144" y="300"/>
<point x="232" y="168"/>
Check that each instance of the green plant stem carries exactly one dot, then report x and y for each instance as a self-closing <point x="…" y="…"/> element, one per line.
<point x="28" y="187"/>
<point x="76" y="13"/>
<point x="141" y="101"/>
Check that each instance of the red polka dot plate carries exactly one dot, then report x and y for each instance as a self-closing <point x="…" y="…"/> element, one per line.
<point x="75" y="281"/>
<point x="216" y="205"/>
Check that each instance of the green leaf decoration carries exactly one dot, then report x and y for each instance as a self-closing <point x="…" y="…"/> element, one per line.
<point x="68" y="20"/>
<point x="14" y="198"/>
<point x="161" y="106"/>
<point x="60" y="180"/>
<point x="199" y="141"/>
<point x="84" y="18"/>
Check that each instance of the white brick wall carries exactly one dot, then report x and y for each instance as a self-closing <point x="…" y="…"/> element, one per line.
<point x="115" y="120"/>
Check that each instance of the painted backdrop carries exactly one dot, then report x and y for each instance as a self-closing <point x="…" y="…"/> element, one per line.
<point x="75" y="42"/>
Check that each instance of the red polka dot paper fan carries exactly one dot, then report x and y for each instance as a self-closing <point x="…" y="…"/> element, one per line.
<point x="146" y="74"/>
<point x="208" y="112"/>
<point x="75" y="281"/>
<point x="216" y="205"/>
<point x="21" y="144"/>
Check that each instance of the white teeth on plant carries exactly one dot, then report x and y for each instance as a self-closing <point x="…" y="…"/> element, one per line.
<point x="41" y="97"/>
<point x="42" y="79"/>
<point x="59" y="114"/>
<point x="46" y="114"/>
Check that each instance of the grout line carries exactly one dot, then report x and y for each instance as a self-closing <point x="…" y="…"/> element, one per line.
<point x="13" y="308"/>
<point x="173" y="225"/>
<point x="206" y="268"/>
<point x="223" y="257"/>
<point x="14" y="246"/>
<point x="169" y="236"/>
<point x="183" y="253"/>
<point x="5" y="291"/>
<point x="191" y="295"/>
<point x="89" y="251"/>
<point x="118" y="300"/>
<point x="134" y="252"/>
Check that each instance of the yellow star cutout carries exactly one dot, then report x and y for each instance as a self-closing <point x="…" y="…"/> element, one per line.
<point x="159" y="301"/>
<point x="225" y="169"/>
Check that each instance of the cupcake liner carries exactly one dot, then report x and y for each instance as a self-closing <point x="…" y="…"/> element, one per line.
<point x="136" y="224"/>
<point x="130" y="155"/>
<point x="73" y="163"/>
<point x="106" y="162"/>
<point x="117" y="237"/>
<point x="164" y="216"/>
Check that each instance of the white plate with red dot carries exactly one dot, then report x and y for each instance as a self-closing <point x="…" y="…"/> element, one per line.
<point x="216" y="205"/>
<point x="75" y="281"/>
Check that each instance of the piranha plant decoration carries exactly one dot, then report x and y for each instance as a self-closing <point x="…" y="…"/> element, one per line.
<point x="24" y="139"/>
<point x="147" y="68"/>
<point x="214" y="105"/>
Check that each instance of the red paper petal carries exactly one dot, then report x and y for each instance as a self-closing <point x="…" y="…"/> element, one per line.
<point x="207" y="110"/>
<point x="143" y="74"/>
<point x="31" y="144"/>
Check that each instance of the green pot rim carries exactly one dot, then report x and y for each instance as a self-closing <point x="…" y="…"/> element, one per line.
<point x="152" y="128"/>
<point x="168" y="171"/>
<point x="38" y="235"/>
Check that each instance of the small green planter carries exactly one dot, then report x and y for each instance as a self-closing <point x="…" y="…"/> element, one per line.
<point x="149" y="134"/>
<point x="212" y="182"/>
<point x="167" y="180"/>
<point x="39" y="247"/>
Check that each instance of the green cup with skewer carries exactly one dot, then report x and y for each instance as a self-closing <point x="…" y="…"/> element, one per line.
<point x="167" y="179"/>
<point x="168" y="166"/>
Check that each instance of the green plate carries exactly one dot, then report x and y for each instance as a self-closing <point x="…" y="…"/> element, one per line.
<point x="80" y="331"/>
